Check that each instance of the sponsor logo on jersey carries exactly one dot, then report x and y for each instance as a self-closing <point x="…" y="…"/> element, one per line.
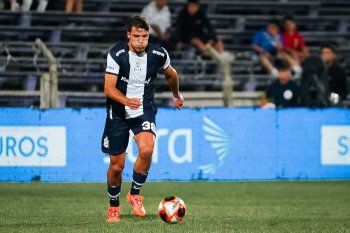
<point x="158" y="53"/>
<point x="119" y="52"/>
<point x="146" y="82"/>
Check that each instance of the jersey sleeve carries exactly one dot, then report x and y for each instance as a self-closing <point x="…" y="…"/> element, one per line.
<point x="166" y="64"/>
<point x="112" y="65"/>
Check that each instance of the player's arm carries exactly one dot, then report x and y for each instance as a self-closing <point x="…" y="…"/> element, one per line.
<point x="173" y="82"/>
<point x="113" y="93"/>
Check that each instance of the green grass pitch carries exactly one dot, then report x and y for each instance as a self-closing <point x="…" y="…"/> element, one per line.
<point x="211" y="207"/>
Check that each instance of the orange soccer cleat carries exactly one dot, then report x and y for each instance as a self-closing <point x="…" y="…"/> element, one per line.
<point x="136" y="203"/>
<point x="113" y="214"/>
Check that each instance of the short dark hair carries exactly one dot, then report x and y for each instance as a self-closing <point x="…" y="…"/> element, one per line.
<point x="330" y="46"/>
<point x="138" y="22"/>
<point x="282" y="64"/>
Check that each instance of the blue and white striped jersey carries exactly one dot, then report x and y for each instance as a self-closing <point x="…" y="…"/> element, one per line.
<point x="136" y="76"/>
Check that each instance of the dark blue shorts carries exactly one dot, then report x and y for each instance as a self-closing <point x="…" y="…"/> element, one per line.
<point x="115" y="137"/>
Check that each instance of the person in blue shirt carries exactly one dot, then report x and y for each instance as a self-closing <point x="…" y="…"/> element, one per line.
<point x="266" y="44"/>
<point x="268" y="40"/>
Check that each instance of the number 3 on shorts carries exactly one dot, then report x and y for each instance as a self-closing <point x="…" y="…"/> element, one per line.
<point x="149" y="126"/>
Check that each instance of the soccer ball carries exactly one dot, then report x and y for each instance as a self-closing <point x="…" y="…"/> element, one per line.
<point x="172" y="209"/>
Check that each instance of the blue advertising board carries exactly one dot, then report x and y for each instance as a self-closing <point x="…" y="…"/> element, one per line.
<point x="64" y="145"/>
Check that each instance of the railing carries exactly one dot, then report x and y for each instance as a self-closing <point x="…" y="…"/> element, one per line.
<point x="48" y="81"/>
<point x="193" y="99"/>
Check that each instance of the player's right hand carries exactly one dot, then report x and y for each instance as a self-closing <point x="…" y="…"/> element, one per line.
<point x="133" y="103"/>
<point x="178" y="101"/>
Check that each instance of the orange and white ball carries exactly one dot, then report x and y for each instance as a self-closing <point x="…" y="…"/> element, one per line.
<point x="172" y="209"/>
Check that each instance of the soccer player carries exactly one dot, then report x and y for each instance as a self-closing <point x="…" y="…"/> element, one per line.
<point x="130" y="78"/>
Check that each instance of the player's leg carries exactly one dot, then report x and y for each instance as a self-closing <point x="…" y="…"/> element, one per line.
<point x="114" y="142"/>
<point x="143" y="128"/>
<point x="145" y="143"/>
<point x="114" y="177"/>
<point x="114" y="181"/>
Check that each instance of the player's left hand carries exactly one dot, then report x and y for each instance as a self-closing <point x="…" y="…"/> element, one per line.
<point x="178" y="101"/>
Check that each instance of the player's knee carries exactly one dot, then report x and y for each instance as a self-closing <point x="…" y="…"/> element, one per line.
<point x="146" y="151"/>
<point x="117" y="167"/>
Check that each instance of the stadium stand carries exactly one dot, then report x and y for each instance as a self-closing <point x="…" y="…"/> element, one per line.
<point x="80" y="43"/>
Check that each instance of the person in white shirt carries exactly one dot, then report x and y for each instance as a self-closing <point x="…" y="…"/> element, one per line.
<point x="158" y="16"/>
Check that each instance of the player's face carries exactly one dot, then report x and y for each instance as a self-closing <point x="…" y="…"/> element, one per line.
<point x="138" y="39"/>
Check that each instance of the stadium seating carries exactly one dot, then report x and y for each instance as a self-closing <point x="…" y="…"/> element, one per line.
<point x="80" y="42"/>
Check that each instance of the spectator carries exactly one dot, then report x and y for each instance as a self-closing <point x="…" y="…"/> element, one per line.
<point x="74" y="6"/>
<point x="282" y="92"/>
<point x="266" y="44"/>
<point x="293" y="41"/>
<point x="158" y="16"/>
<point x="336" y="74"/>
<point x="193" y="27"/>
<point x="268" y="41"/>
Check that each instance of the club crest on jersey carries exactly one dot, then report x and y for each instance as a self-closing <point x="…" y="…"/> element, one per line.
<point x="137" y="67"/>
<point x="158" y="53"/>
<point x="119" y="52"/>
